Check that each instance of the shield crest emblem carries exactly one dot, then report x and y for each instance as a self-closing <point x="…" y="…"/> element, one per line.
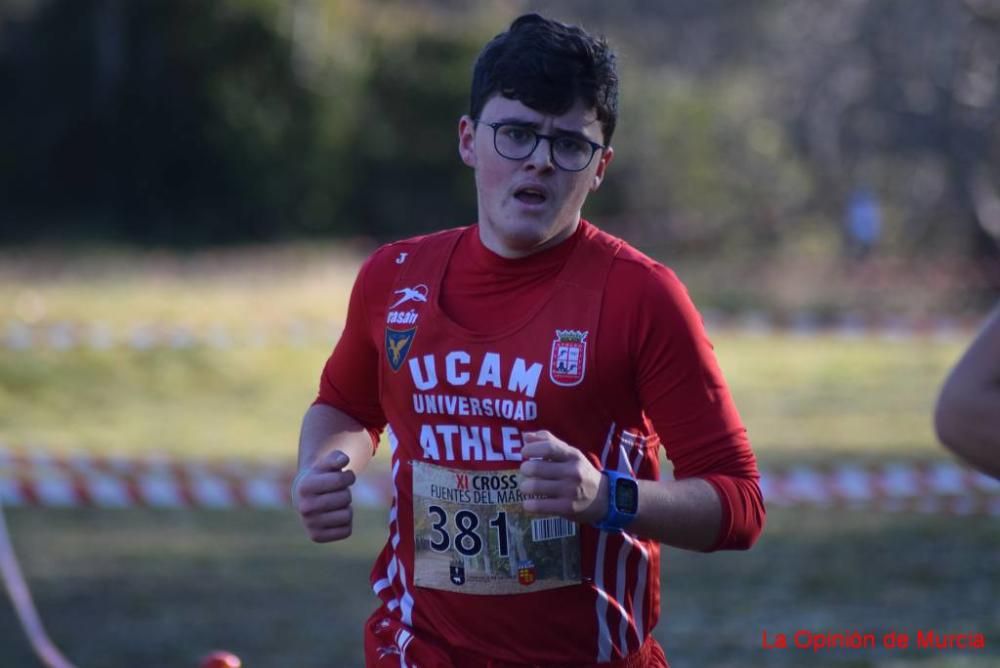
<point x="457" y="573"/>
<point x="397" y="345"/>
<point x="568" y="361"/>
<point x="526" y="572"/>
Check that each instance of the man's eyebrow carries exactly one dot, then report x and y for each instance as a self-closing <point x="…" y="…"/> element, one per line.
<point x="560" y="132"/>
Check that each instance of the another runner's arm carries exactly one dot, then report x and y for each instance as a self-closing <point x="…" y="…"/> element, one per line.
<point x="715" y="501"/>
<point x="967" y="415"/>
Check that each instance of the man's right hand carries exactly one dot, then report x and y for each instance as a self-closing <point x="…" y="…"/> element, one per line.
<point x="322" y="497"/>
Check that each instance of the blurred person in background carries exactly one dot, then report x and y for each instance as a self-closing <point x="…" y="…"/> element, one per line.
<point x="863" y="223"/>
<point x="529" y="368"/>
<point x="967" y="415"/>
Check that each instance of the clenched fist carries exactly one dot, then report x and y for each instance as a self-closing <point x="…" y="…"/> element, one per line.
<point x="322" y="496"/>
<point x="560" y="480"/>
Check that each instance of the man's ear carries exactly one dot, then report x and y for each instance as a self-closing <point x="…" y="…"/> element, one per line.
<point x="607" y="155"/>
<point x="467" y="140"/>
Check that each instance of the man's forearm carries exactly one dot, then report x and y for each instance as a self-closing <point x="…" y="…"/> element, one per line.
<point x="680" y="513"/>
<point x="557" y="478"/>
<point x="325" y="429"/>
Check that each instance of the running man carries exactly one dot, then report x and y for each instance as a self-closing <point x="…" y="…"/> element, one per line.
<point x="528" y="369"/>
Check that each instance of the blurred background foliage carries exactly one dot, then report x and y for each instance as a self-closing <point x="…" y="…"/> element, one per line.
<point x="172" y="168"/>
<point x="746" y="128"/>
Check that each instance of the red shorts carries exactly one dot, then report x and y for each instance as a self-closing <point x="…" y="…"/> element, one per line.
<point x="391" y="644"/>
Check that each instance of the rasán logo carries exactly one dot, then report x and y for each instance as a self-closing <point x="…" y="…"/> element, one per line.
<point x="418" y="293"/>
<point x="569" y="357"/>
<point x="398" y="341"/>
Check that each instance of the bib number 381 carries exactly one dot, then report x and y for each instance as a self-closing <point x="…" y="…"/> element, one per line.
<point x="472" y="535"/>
<point x="467" y="540"/>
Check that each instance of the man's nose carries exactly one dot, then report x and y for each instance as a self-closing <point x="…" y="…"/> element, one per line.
<point x="541" y="157"/>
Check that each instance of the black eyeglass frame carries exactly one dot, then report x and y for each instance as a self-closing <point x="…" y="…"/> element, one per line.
<point x="594" y="146"/>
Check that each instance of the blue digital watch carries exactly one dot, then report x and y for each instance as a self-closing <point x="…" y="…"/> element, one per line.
<point x="623" y="501"/>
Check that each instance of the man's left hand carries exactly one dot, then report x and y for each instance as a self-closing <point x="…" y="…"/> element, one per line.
<point x="562" y="480"/>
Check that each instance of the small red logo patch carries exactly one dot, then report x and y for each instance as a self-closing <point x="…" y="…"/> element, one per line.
<point x="568" y="362"/>
<point x="526" y="572"/>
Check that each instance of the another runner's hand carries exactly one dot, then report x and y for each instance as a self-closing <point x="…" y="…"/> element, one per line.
<point x="562" y="479"/>
<point x="322" y="496"/>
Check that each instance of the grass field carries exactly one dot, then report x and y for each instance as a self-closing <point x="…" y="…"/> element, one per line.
<point x="145" y="588"/>
<point x="159" y="588"/>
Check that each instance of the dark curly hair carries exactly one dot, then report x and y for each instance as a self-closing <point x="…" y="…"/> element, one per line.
<point x="548" y="66"/>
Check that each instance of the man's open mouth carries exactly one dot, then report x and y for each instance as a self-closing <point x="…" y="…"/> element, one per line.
<point x="530" y="195"/>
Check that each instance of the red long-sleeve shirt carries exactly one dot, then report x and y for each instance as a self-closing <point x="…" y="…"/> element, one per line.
<point x="461" y="351"/>
<point x="672" y="371"/>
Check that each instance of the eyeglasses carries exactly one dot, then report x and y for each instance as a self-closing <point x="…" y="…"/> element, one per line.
<point x="517" y="142"/>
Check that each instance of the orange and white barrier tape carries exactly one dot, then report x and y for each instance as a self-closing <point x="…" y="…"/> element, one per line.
<point x="925" y="487"/>
<point x="19" y="335"/>
<point x="82" y="480"/>
<point x="35" y="478"/>
<point x="64" y="336"/>
<point x="843" y="326"/>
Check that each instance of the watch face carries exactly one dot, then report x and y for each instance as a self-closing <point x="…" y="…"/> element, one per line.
<point x="627" y="496"/>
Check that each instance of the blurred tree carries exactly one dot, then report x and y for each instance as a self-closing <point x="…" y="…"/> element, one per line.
<point x="163" y="121"/>
<point x="745" y="126"/>
<point x="902" y="96"/>
<point x="406" y="148"/>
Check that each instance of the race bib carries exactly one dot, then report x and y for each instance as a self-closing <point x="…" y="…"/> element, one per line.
<point x="473" y="536"/>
